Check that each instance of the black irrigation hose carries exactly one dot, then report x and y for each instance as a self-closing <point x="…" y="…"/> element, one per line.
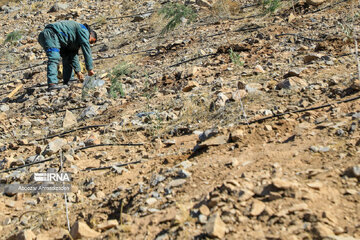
<point x="5" y="83"/>
<point x="129" y="16"/>
<point x="109" y="167"/>
<point x="110" y="144"/>
<point x="27" y="165"/>
<point x="299" y="111"/>
<point x="70" y="131"/>
<point x="298" y="36"/>
<point x="330" y="6"/>
<point x="70" y="109"/>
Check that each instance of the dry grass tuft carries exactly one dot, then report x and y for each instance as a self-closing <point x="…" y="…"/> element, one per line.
<point x="226" y="8"/>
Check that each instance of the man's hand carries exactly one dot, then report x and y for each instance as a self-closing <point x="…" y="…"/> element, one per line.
<point x="91" y="72"/>
<point x="80" y="76"/>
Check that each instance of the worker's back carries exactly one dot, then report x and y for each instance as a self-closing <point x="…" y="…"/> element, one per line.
<point x="70" y="34"/>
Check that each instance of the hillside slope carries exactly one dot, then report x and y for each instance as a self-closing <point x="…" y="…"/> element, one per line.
<point x="241" y="124"/>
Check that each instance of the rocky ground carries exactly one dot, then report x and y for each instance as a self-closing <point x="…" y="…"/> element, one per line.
<point x="242" y="124"/>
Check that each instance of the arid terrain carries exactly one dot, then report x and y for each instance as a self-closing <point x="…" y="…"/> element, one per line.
<point x="241" y="122"/>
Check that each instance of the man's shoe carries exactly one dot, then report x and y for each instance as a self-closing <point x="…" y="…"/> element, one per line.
<point x="54" y="86"/>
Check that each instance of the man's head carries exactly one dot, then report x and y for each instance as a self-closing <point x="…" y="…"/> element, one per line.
<point x="93" y="35"/>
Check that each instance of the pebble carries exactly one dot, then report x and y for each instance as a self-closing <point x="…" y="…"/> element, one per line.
<point x="183" y="174"/>
<point x="340" y="132"/>
<point x="177" y="182"/>
<point x="151" y="201"/>
<point x="156" y="179"/>
<point x="356" y="116"/>
<point x="319" y="149"/>
<point x="4" y="108"/>
<point x="204" y="210"/>
<point x="295" y="72"/>
<point x="202" y="219"/>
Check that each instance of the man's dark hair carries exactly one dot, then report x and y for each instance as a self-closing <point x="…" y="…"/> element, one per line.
<point x="92" y="32"/>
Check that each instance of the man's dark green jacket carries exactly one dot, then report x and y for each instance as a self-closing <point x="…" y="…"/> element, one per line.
<point x="72" y="36"/>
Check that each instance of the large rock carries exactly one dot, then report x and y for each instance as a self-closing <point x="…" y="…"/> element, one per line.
<point x="58" y="6"/>
<point x="69" y="119"/>
<point x="283" y="183"/>
<point x="89" y="112"/>
<point x="215" y="227"/>
<point x="54" y="234"/>
<point x="215" y="141"/>
<point x="108" y="224"/>
<point x="292" y="83"/>
<point x="311" y="57"/>
<point x="237" y="135"/>
<point x="353" y="171"/>
<point x="238" y="95"/>
<point x="54" y="146"/>
<point x="190" y="86"/>
<point x="323" y="231"/>
<point x="257" y="208"/>
<point x="82" y="230"/>
<point x="221" y="100"/>
<point x="26" y="235"/>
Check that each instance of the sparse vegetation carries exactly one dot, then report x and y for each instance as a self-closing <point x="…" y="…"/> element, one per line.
<point x="270" y="6"/>
<point x="235" y="58"/>
<point x="225" y="8"/>
<point x="116" y="88"/>
<point x="177" y="13"/>
<point x="13" y="36"/>
<point x="101" y="20"/>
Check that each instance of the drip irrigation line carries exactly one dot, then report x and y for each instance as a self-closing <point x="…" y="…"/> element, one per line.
<point x="298" y="36"/>
<point x="329" y="6"/>
<point x="109" y="167"/>
<point x="27" y="165"/>
<point x="193" y="59"/>
<point x="69" y="109"/>
<point x="110" y="144"/>
<point x="5" y="83"/>
<point x="129" y="16"/>
<point x="22" y="69"/>
<point x="70" y="131"/>
<point x="301" y="110"/>
<point x="244" y="29"/>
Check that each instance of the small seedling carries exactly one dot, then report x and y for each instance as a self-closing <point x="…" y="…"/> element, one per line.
<point x="101" y="20"/>
<point x="270" y="6"/>
<point x="235" y="58"/>
<point x="116" y="88"/>
<point x="176" y="13"/>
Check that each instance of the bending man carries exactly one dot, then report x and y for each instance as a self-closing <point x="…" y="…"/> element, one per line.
<point x="64" y="39"/>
